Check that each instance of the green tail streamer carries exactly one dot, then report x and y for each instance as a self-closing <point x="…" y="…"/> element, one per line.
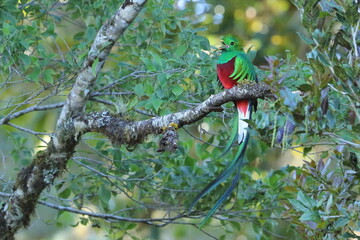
<point x="233" y="136"/>
<point x="235" y="164"/>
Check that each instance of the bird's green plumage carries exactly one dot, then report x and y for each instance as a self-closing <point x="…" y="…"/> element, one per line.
<point x="235" y="164"/>
<point x="227" y="56"/>
<point x="243" y="68"/>
<point x="233" y="66"/>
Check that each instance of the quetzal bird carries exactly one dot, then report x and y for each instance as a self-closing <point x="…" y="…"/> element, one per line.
<point x="233" y="66"/>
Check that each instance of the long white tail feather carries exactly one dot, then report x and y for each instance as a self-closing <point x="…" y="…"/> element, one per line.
<point x="242" y="125"/>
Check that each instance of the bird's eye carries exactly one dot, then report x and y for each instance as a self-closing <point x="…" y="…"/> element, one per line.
<point x="232" y="43"/>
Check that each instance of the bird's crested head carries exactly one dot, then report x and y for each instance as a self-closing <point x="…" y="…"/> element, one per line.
<point x="231" y="43"/>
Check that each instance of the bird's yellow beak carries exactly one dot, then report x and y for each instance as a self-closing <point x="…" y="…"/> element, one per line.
<point x="223" y="47"/>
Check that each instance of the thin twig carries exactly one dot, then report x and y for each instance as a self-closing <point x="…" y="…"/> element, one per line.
<point x="30" y="109"/>
<point x="30" y="131"/>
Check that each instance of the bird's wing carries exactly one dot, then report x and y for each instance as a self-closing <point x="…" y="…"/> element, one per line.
<point x="243" y="68"/>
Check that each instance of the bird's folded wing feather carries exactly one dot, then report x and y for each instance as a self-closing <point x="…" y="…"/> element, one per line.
<point x="242" y="68"/>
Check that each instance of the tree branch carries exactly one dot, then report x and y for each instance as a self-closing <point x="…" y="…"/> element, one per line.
<point x="30" y="109"/>
<point x="47" y="165"/>
<point x="100" y="49"/>
<point x="121" y="131"/>
<point x="108" y="217"/>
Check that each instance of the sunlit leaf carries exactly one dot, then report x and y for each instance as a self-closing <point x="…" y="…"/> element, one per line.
<point x="180" y="51"/>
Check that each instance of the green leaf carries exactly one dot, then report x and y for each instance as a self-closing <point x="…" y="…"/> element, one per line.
<point x="307" y="40"/>
<point x="316" y="65"/>
<point x="139" y="90"/>
<point x="149" y="65"/>
<point x="65" y="194"/>
<point x="177" y="90"/>
<point x="50" y="30"/>
<point x="189" y="161"/>
<point x="157" y="60"/>
<point x="236" y="226"/>
<point x="322" y="59"/>
<point x="310" y="216"/>
<point x="41" y="50"/>
<point x="341" y="222"/>
<point x="180" y="51"/>
<point x="99" y="145"/>
<point x="156" y="103"/>
<point x="329" y="203"/>
<point x="307" y="150"/>
<point x="134" y="168"/>
<point x="47" y="75"/>
<point x="90" y="34"/>
<point x="298" y="205"/>
<point x="162" y="78"/>
<point x="204" y="43"/>
<point x="305" y="200"/>
<point x="34" y="75"/>
<point x="348" y="235"/>
<point x="94" y="65"/>
<point x="131" y="226"/>
<point x="117" y="154"/>
<point x="132" y="103"/>
<point x="104" y="194"/>
<point x="25" y="59"/>
<point x="290" y="99"/>
<point x="6" y="28"/>
<point x="149" y="88"/>
<point x="328" y="6"/>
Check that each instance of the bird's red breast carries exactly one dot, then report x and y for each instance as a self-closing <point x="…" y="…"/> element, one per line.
<point x="224" y="71"/>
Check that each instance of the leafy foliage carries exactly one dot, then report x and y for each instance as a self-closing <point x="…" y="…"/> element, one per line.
<point x="317" y="103"/>
<point x="162" y="65"/>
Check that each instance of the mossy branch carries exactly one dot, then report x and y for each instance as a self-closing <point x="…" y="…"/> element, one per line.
<point x="121" y="131"/>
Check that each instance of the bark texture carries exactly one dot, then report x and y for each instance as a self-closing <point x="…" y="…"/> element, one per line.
<point x="49" y="164"/>
<point x="121" y="131"/>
